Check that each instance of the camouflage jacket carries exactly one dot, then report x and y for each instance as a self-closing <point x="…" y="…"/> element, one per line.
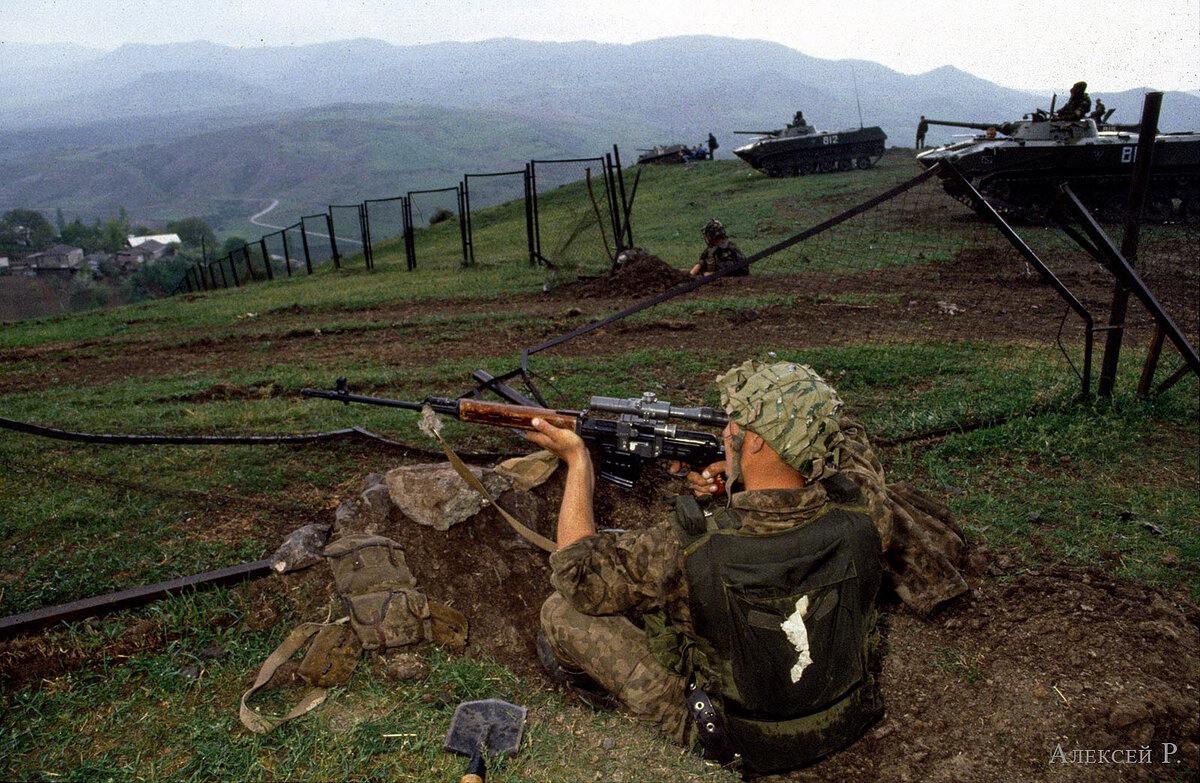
<point x="643" y="570"/>
<point x="1076" y="108"/>
<point x="716" y="257"/>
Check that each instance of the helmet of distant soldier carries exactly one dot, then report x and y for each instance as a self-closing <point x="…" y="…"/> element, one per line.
<point x="713" y="229"/>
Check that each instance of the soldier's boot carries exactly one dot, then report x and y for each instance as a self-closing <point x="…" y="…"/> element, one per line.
<point x="577" y="681"/>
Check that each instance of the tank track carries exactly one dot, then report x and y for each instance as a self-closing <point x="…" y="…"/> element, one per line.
<point x="844" y="159"/>
<point x="1170" y="198"/>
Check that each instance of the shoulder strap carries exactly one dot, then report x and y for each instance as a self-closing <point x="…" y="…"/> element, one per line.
<point x="255" y="720"/>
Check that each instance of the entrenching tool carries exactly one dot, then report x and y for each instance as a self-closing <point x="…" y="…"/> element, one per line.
<point x="489" y="727"/>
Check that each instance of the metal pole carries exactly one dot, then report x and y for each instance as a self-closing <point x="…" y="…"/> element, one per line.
<point x="410" y="246"/>
<point x="249" y="266"/>
<point x="304" y="241"/>
<point x="610" y="189"/>
<point x="537" y="232"/>
<point x="262" y="243"/>
<point x="332" y="240"/>
<point x="287" y="253"/>
<point x="462" y="226"/>
<point x="529" y="215"/>
<point x="1151" y="362"/>
<point x="466" y="201"/>
<point x="1129" y="243"/>
<point x="1126" y="276"/>
<point x="981" y="206"/>
<point x="624" y="199"/>
<point x="365" y="226"/>
<point x="232" y="270"/>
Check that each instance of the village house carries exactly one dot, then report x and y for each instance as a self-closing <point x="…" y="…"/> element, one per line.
<point x="56" y="260"/>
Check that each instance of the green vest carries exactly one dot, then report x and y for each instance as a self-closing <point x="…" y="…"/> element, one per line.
<point x="742" y="588"/>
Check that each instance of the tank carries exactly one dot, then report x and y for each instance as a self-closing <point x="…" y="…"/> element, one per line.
<point x="802" y="149"/>
<point x="1017" y="166"/>
<point x="666" y="153"/>
<point x="678" y="153"/>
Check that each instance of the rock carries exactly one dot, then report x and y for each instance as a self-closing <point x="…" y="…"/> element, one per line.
<point x="377" y="503"/>
<point x="301" y="549"/>
<point x="1126" y="714"/>
<point x="402" y="667"/>
<point x="436" y="496"/>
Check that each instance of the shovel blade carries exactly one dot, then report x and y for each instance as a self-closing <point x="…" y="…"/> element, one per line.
<point x="491" y="726"/>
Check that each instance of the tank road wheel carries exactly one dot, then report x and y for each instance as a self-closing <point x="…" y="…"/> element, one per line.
<point x="807" y="167"/>
<point x="863" y="162"/>
<point x="845" y="164"/>
<point x="826" y="166"/>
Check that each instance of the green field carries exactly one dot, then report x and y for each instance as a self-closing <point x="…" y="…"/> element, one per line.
<point x="1053" y="480"/>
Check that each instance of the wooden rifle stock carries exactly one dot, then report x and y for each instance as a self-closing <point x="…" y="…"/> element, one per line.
<point x="520" y="417"/>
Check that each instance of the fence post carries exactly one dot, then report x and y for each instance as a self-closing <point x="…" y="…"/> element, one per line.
<point x="625" y="212"/>
<point x="249" y="266"/>
<point x="262" y="243"/>
<point x="465" y="211"/>
<point x="462" y="228"/>
<point x="232" y="270"/>
<point x="410" y="248"/>
<point x="332" y="241"/>
<point x="304" y="241"/>
<point x="287" y="254"/>
<point x="368" y="258"/>
<point x="531" y="214"/>
<point x="610" y="189"/>
<point x="1138" y="185"/>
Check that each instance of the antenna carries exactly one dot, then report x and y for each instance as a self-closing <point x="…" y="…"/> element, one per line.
<point x="856" y="101"/>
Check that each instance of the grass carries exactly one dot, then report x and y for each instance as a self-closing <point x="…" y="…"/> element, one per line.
<point x="1110" y="484"/>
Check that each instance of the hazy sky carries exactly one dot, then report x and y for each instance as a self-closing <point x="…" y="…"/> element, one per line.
<point x="1038" y="44"/>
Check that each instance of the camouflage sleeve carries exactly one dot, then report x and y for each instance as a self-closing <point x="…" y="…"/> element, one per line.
<point x="866" y="470"/>
<point x="609" y="573"/>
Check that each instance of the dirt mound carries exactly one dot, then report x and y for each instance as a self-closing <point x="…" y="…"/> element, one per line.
<point x="639" y="274"/>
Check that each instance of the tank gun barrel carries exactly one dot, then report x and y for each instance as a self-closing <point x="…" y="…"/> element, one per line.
<point x="976" y="125"/>
<point x="757" y="133"/>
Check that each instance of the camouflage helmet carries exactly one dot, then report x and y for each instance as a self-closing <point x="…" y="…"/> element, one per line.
<point x="713" y="229"/>
<point x="790" y="407"/>
<point x="1079" y="87"/>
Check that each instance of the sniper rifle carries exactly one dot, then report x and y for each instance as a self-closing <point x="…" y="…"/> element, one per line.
<point x="641" y="431"/>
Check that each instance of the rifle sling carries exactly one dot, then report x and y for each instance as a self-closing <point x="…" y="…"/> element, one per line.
<point x="532" y="536"/>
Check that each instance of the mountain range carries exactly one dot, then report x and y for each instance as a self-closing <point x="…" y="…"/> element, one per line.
<point x="168" y="130"/>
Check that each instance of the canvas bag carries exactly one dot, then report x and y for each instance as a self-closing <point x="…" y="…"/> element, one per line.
<point x="384" y="610"/>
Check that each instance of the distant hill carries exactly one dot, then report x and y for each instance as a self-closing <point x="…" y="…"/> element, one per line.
<point x="198" y="128"/>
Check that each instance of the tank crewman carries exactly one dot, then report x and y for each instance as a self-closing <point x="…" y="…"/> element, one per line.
<point x="1098" y="113"/>
<point x="719" y="252"/>
<point x="782" y="674"/>
<point x="922" y="129"/>
<point x="798" y="120"/>
<point x="1077" y="106"/>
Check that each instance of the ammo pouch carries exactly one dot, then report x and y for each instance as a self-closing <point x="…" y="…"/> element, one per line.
<point x="379" y="592"/>
<point x="385" y="609"/>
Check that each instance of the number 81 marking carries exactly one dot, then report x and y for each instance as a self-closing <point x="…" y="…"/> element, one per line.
<point x="1128" y="154"/>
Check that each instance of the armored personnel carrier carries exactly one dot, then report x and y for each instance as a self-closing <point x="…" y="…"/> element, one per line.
<point x="802" y="149"/>
<point x="1018" y="166"/>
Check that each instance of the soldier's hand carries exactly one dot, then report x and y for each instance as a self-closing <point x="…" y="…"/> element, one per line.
<point x="563" y="443"/>
<point x="708" y="482"/>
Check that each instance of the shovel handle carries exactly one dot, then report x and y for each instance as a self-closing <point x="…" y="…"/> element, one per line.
<point x="475" y="770"/>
